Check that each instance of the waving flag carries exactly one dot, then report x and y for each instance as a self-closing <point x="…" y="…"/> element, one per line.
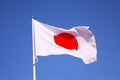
<point x="77" y="41"/>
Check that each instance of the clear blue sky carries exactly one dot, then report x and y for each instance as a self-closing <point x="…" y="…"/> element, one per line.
<point x="103" y="17"/>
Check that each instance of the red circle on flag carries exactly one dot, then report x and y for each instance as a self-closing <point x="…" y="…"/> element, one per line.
<point x="66" y="40"/>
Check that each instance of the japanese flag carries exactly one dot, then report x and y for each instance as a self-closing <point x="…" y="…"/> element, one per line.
<point x="77" y="41"/>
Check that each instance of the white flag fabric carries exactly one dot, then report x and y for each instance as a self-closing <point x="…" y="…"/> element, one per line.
<point x="77" y="41"/>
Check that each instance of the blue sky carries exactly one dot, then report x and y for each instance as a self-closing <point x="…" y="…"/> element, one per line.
<point x="103" y="17"/>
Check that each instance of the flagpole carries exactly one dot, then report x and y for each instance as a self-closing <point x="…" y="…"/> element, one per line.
<point x="33" y="50"/>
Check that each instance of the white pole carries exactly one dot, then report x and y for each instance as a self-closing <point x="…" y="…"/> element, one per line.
<point x="34" y="54"/>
